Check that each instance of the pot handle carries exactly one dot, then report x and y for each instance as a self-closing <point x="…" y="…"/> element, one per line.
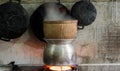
<point x="59" y="1"/>
<point x="4" y="39"/>
<point x="80" y="27"/>
<point x="86" y="0"/>
<point x="19" y="1"/>
<point x="14" y="67"/>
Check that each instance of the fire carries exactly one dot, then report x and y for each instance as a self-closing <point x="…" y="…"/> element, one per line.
<point x="59" y="68"/>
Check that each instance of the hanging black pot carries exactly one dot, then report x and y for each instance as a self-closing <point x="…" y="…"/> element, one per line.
<point x="39" y="15"/>
<point x="13" y="20"/>
<point x="85" y="12"/>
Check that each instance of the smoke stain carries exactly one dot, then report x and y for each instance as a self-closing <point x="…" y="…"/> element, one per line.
<point x="109" y="46"/>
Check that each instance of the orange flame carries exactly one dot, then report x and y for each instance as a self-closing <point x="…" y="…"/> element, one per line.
<point x="59" y="68"/>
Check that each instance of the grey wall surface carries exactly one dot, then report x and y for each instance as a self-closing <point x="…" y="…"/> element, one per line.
<point x="97" y="43"/>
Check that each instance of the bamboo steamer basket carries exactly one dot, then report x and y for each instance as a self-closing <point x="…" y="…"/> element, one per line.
<point x="60" y="29"/>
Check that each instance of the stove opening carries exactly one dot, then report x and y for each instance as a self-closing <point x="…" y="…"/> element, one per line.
<point x="59" y="68"/>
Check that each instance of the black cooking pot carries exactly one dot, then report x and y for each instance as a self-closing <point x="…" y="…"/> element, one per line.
<point x="38" y="17"/>
<point x="13" y="20"/>
<point x="85" y="12"/>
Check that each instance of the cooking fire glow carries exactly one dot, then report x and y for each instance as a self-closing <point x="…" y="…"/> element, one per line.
<point x="60" y="68"/>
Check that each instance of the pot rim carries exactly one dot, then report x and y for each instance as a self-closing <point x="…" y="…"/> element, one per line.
<point x="60" y="22"/>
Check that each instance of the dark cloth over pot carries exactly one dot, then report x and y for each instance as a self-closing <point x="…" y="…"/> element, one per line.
<point x="39" y="15"/>
<point x="84" y="12"/>
<point x="13" y="20"/>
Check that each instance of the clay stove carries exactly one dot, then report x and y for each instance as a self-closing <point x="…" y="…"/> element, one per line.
<point x="59" y="54"/>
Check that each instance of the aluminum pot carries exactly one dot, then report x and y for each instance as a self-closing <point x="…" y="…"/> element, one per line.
<point x="59" y="52"/>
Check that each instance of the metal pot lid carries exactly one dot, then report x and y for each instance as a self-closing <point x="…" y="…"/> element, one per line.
<point x="13" y="20"/>
<point x="85" y="12"/>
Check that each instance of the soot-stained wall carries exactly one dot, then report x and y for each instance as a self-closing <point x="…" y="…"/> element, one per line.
<point x="97" y="43"/>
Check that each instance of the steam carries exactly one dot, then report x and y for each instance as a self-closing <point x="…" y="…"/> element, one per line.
<point x="54" y="14"/>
